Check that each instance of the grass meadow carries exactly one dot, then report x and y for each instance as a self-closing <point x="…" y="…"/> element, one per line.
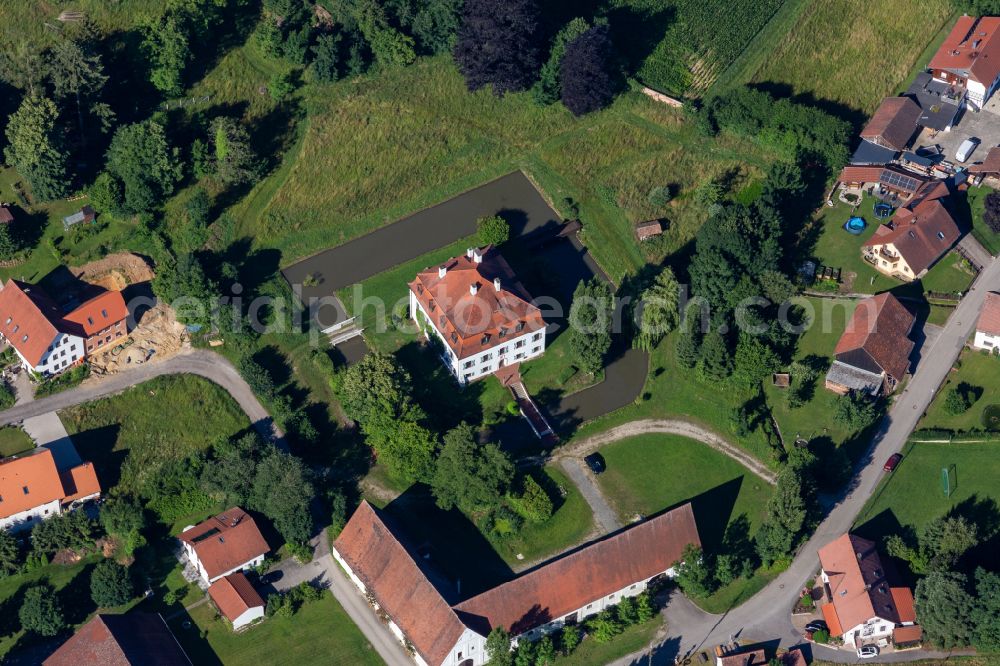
<point x="853" y="52"/>
<point x="977" y="369"/>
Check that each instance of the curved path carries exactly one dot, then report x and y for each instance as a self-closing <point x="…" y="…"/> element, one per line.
<point x="209" y="365"/>
<point x="766" y="616"/>
<point x="679" y="427"/>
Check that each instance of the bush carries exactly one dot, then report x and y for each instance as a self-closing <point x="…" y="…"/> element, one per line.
<point x="7" y="396"/>
<point x="40" y="612"/>
<point x="72" y="531"/>
<point x="991" y="213"/>
<point x="991" y="417"/>
<point x="504" y="523"/>
<point x="111" y="584"/>
<point x="821" y="636"/>
<point x="956" y="402"/>
<point x="659" y="197"/>
<point x="492" y="230"/>
<point x="61" y="382"/>
<point x="533" y="503"/>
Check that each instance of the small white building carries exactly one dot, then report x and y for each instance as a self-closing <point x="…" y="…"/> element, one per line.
<point x="237" y="600"/>
<point x="562" y="592"/>
<point x="864" y="607"/>
<point x="477" y="310"/>
<point x="224" y="544"/>
<point x="33" y="490"/>
<point x="988" y="326"/>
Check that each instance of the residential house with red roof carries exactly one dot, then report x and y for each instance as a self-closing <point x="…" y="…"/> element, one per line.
<point x="919" y="234"/>
<point x="873" y="354"/>
<point x="47" y="341"/>
<point x="224" y="544"/>
<point x="132" y="639"/>
<point x="237" y="600"/>
<point x="969" y="59"/>
<point x="482" y="315"/>
<point x="864" y="607"/>
<point x="988" y="325"/>
<point x="33" y="490"/>
<point x="562" y="591"/>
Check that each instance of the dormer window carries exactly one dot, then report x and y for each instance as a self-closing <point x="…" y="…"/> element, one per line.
<point x="485" y="339"/>
<point x="24" y="338"/>
<point x="24" y="489"/>
<point x="519" y="327"/>
<point x="17" y="327"/>
<point x="431" y="305"/>
<point x="420" y="288"/>
<point x="503" y="332"/>
<point x="940" y="235"/>
<point x="10" y="319"/>
<point x="454" y="338"/>
<point x="90" y="320"/>
<point x="104" y="313"/>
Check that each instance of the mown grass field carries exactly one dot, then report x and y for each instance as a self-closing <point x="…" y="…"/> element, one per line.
<point x="913" y="496"/>
<point x="13" y="440"/>
<point x="378" y="148"/>
<point x="978" y="369"/>
<point x="853" y="52"/>
<point x="130" y="435"/>
<point x="320" y="630"/>
<point x="650" y="473"/>
<point x="976" y="197"/>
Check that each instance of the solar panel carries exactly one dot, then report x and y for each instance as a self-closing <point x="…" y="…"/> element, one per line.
<point x="898" y="180"/>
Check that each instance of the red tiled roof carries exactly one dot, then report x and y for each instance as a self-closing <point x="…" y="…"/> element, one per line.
<point x="857" y="583"/>
<point x="571" y="582"/>
<point x="876" y="337"/>
<point x="859" y="174"/>
<point x="893" y="123"/>
<point x="99" y="312"/>
<point x="990" y="165"/>
<point x="989" y="316"/>
<point x="471" y="322"/>
<point x="908" y="634"/>
<point x="132" y="639"/>
<point x="903" y="598"/>
<point x="226" y="541"/>
<point x="233" y="595"/>
<point x="26" y="319"/>
<point x="28" y="481"/>
<point x="973" y="47"/>
<point x="923" y="230"/>
<point x="79" y="482"/>
<point x="6" y="217"/>
<point x="390" y="573"/>
<point x="832" y="621"/>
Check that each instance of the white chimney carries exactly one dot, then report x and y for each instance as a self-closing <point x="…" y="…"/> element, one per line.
<point x="442" y="270"/>
<point x="496" y="284"/>
<point x="468" y="253"/>
<point x="473" y="288"/>
<point x="477" y="256"/>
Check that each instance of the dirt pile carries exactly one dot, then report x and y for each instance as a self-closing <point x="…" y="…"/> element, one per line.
<point x="115" y="271"/>
<point x="158" y="336"/>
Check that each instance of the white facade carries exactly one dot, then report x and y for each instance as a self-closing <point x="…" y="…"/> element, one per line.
<point x="987" y="341"/>
<point x="25" y="520"/>
<point x="875" y="631"/>
<point x="64" y="351"/>
<point x="248" y="617"/>
<point x="504" y="351"/>
<point x="193" y="556"/>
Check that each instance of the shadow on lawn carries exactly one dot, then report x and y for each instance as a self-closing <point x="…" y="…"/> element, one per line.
<point x="97" y="445"/>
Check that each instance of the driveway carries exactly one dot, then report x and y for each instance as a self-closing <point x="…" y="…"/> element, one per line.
<point x="984" y="125"/>
<point x="199" y="362"/>
<point x="605" y="517"/>
<point x="767" y="614"/>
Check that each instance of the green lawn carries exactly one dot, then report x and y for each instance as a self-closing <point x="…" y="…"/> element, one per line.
<point x="321" y="632"/>
<point x="976" y="197"/>
<point x="567" y="527"/>
<point x="853" y="52"/>
<point x="591" y="653"/>
<point x="130" y="435"/>
<point x="979" y="370"/>
<point x="838" y="249"/>
<point x="13" y="440"/>
<point x="650" y="473"/>
<point x="815" y="347"/>
<point x="912" y="495"/>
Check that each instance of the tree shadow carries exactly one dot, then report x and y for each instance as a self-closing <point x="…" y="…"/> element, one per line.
<point x="432" y="538"/>
<point x="435" y="389"/>
<point x="75" y="598"/>
<point x="855" y="117"/>
<point x="98" y="446"/>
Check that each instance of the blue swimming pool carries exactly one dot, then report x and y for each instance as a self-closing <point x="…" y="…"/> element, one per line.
<point x="855" y="225"/>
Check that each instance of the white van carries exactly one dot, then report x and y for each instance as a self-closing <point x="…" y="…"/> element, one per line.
<point x="966" y="149"/>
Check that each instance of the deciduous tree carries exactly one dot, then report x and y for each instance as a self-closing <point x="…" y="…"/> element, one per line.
<point x="585" y="77"/>
<point x="492" y="230"/>
<point x="142" y="159"/>
<point x="35" y="149"/>
<point x="75" y="72"/>
<point x="40" y="612"/>
<point x="282" y="491"/>
<point x="470" y="476"/>
<point x="660" y="310"/>
<point x="497" y="44"/>
<point x="547" y="89"/>
<point x="590" y="321"/>
<point x="111" y="584"/>
<point x="235" y="161"/>
<point x="945" y="609"/>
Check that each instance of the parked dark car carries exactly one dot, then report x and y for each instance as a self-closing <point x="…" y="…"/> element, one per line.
<point x="893" y="460"/>
<point x="595" y="461"/>
<point x="817" y="625"/>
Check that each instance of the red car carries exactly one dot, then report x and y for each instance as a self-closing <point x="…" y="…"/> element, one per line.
<point x="893" y="460"/>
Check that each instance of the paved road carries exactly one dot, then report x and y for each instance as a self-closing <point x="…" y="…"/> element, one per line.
<point x="605" y="517"/>
<point x="767" y="614"/>
<point x="199" y="362"/>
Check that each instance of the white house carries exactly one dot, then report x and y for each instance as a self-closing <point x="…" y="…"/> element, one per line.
<point x="224" y="544"/>
<point x="48" y="342"/>
<point x="988" y="326"/>
<point x="864" y="608"/>
<point x="478" y="311"/>
<point x="564" y="591"/>
<point x="237" y="600"/>
<point x="969" y="59"/>
<point x="33" y="490"/>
